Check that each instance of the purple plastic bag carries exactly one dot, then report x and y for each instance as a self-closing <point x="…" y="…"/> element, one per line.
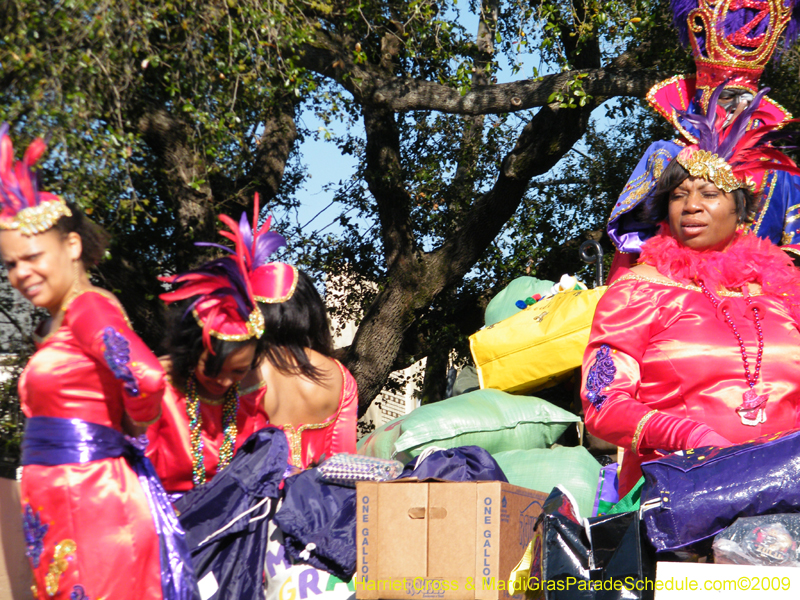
<point x="689" y="497"/>
<point x="607" y="490"/>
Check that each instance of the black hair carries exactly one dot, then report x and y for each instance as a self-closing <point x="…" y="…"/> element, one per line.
<point x="292" y="326"/>
<point x="184" y="344"/>
<point x="656" y="208"/>
<point x="94" y="239"/>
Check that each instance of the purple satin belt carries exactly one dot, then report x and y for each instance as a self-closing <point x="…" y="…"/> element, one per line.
<point x="51" y="441"/>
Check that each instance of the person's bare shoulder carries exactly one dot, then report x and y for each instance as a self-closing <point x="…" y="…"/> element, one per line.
<point x="649" y="272"/>
<point x="322" y="396"/>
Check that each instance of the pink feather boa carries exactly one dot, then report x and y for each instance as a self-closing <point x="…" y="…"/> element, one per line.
<point x="748" y="259"/>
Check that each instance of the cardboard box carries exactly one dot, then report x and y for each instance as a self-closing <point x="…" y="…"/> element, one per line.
<point x="442" y="540"/>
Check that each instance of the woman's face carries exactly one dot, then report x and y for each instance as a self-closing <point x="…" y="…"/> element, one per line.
<point x="234" y="368"/>
<point x="42" y="266"/>
<point x="701" y="216"/>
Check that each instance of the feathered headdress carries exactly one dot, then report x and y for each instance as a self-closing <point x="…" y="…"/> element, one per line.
<point x="223" y="303"/>
<point x="22" y="205"/>
<point x="733" y="157"/>
<point x="272" y="282"/>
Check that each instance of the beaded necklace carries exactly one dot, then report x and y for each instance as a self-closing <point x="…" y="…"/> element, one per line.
<point x="751" y="411"/>
<point x="229" y="411"/>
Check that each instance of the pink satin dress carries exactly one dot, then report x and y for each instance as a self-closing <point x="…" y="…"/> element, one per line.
<point x="170" y="448"/>
<point x="657" y="345"/>
<point x="88" y="526"/>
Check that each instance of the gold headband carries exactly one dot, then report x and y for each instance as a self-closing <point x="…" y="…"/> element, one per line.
<point x="709" y="166"/>
<point x="38" y="219"/>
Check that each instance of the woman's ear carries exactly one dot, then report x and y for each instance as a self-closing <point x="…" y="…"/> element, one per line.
<point x="74" y="245"/>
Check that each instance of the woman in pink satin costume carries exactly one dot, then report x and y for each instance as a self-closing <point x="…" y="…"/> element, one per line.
<point x="698" y="344"/>
<point x="87" y="520"/>
<point x="212" y="345"/>
<point x="304" y="390"/>
<point x="299" y="386"/>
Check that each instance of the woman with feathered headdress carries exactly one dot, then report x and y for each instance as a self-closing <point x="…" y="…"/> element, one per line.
<point x="731" y="42"/>
<point x="300" y="386"/>
<point x="212" y="342"/>
<point x="699" y="344"/>
<point x="96" y="519"/>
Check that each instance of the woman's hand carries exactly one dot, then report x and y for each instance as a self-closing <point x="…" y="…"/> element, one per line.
<point x="705" y="436"/>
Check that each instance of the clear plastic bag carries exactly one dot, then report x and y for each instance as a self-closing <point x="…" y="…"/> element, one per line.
<point x="763" y="540"/>
<point x="346" y="469"/>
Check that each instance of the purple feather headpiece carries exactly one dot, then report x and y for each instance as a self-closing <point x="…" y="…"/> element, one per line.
<point x="733" y="157"/>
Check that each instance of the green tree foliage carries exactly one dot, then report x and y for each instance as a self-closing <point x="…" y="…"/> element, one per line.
<point x="165" y="113"/>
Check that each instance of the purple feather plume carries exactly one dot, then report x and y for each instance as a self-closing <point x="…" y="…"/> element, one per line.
<point x="706" y="124"/>
<point x="680" y="12"/>
<point x="266" y="244"/>
<point x="739" y="126"/>
<point x="213" y="245"/>
<point x="246" y="231"/>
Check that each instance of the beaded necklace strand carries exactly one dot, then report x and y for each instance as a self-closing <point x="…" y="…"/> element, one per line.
<point x="229" y="411"/>
<point x="751" y="411"/>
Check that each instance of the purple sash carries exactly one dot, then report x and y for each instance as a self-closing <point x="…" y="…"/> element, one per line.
<point x="51" y="441"/>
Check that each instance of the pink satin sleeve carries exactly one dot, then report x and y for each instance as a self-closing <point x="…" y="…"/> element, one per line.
<point x="612" y="363"/>
<point x="92" y="318"/>
<point x="625" y="319"/>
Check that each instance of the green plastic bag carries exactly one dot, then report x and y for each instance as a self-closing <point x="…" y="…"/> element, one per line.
<point x="631" y="501"/>
<point x="503" y="305"/>
<point x="542" y="469"/>
<point x="494" y="420"/>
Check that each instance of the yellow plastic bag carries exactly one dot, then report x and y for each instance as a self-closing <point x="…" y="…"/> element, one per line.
<point x="538" y="345"/>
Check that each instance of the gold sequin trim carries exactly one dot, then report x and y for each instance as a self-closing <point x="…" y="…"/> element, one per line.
<point x="63" y="551"/>
<point x="719" y="49"/>
<point x="794" y="251"/>
<point x="106" y="294"/>
<point x="642" y="185"/>
<point x="671" y="115"/>
<point x="234" y="337"/>
<point x="755" y="227"/>
<point x="295" y="435"/>
<point x="252" y="388"/>
<point x="147" y="423"/>
<point x="639" y="428"/>
<point x="38" y="219"/>
<point x="713" y="168"/>
<point x="694" y="288"/>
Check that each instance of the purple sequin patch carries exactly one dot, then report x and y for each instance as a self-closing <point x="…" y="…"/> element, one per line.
<point x="601" y="374"/>
<point x="34" y="534"/>
<point x="78" y="593"/>
<point x="118" y="355"/>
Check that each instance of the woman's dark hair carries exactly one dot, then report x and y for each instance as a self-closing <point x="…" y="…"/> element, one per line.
<point x="184" y="344"/>
<point x="292" y="326"/>
<point x="94" y="239"/>
<point x="656" y="209"/>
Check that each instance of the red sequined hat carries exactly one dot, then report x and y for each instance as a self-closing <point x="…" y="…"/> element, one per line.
<point x="223" y="302"/>
<point x="272" y="282"/>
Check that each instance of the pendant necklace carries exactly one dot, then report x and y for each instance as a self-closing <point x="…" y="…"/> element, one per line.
<point x="751" y="411"/>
